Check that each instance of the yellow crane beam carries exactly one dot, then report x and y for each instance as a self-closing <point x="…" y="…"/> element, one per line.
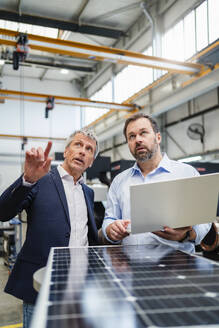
<point x="61" y="100"/>
<point x="100" y="53"/>
<point x="16" y="136"/>
<point x="143" y="91"/>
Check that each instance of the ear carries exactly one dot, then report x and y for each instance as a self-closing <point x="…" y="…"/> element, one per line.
<point x="64" y="154"/>
<point x="158" y="137"/>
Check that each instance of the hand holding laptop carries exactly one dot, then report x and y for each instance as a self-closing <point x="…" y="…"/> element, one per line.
<point x="177" y="234"/>
<point x="120" y="229"/>
<point x="174" y="203"/>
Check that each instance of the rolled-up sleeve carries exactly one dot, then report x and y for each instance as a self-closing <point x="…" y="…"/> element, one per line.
<point x="201" y="231"/>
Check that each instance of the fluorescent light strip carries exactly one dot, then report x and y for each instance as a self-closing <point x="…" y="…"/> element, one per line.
<point x="190" y="159"/>
<point x="114" y="57"/>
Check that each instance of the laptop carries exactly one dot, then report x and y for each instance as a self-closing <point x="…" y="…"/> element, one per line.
<point x="174" y="203"/>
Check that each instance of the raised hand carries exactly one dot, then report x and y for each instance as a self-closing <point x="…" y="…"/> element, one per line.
<point x="37" y="163"/>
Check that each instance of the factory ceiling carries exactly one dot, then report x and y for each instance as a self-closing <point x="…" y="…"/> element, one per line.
<point x="95" y="22"/>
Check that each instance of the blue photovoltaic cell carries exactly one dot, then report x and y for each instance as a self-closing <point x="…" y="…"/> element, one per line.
<point x="131" y="286"/>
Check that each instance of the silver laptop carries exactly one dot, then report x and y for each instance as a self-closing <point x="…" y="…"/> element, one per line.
<point x="174" y="203"/>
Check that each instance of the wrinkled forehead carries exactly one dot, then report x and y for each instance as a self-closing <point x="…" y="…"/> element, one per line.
<point x="139" y="124"/>
<point x="83" y="138"/>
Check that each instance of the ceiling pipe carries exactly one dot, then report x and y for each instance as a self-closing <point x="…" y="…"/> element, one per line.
<point x="19" y="7"/>
<point x="143" y="6"/>
<point x="84" y="5"/>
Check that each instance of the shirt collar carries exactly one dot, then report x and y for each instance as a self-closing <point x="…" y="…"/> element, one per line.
<point x="164" y="165"/>
<point x="63" y="174"/>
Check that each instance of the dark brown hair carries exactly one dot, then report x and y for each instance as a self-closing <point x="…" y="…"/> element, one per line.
<point x="135" y="117"/>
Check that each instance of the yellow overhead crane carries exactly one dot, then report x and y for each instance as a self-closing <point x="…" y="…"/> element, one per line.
<point x="62" y="100"/>
<point x="205" y="70"/>
<point x="99" y="53"/>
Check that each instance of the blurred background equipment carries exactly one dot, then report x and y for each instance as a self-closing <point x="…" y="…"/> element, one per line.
<point x="12" y="239"/>
<point x="21" y="51"/>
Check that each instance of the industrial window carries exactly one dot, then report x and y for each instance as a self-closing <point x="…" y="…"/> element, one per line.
<point x="127" y="82"/>
<point x="213" y="10"/>
<point x="132" y="79"/>
<point x="28" y="28"/>
<point x="201" y="26"/>
<point x="193" y="33"/>
<point x="189" y="35"/>
<point x="173" y="43"/>
<point x="92" y="113"/>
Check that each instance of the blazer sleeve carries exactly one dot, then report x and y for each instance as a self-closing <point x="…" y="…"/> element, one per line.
<point x="15" y="198"/>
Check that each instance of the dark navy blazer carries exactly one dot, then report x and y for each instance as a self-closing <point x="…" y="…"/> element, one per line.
<point x="48" y="225"/>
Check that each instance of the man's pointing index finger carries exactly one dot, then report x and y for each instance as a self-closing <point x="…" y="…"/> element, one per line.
<point x="48" y="148"/>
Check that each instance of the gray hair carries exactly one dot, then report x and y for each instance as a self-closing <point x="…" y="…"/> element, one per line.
<point x="88" y="133"/>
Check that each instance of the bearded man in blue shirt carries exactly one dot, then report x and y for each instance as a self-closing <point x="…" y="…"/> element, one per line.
<point x="144" y="138"/>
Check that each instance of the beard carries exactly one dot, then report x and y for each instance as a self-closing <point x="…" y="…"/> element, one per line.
<point x="147" y="154"/>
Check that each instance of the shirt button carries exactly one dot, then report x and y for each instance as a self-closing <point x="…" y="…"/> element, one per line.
<point x="67" y="234"/>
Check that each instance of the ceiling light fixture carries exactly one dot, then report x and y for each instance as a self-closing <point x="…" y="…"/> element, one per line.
<point x="64" y="71"/>
<point x="190" y="159"/>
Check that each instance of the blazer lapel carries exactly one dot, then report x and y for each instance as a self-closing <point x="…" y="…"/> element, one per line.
<point x="60" y="188"/>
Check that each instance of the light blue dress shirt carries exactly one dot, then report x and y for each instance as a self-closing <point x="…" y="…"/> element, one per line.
<point x="118" y="202"/>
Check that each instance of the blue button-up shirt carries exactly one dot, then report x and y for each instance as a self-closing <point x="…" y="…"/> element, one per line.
<point x="118" y="202"/>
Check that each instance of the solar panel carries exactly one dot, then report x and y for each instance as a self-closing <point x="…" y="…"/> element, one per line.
<point x="127" y="287"/>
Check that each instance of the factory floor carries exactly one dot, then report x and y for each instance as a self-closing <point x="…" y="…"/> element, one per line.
<point x="10" y="307"/>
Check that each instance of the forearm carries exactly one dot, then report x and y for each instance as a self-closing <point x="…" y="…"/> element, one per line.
<point x="201" y="231"/>
<point x="12" y="199"/>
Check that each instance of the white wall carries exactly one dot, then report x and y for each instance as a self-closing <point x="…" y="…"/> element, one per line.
<point x="28" y="119"/>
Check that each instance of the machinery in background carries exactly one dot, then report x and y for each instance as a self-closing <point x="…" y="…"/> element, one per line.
<point x="99" y="170"/>
<point x="21" y="51"/>
<point x="119" y="166"/>
<point x="12" y="236"/>
<point x="9" y="250"/>
<point x="205" y="167"/>
<point x="49" y="106"/>
<point x="4" y="226"/>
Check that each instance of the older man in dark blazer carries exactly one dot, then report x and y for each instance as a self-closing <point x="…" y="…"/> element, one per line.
<point x="59" y="209"/>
